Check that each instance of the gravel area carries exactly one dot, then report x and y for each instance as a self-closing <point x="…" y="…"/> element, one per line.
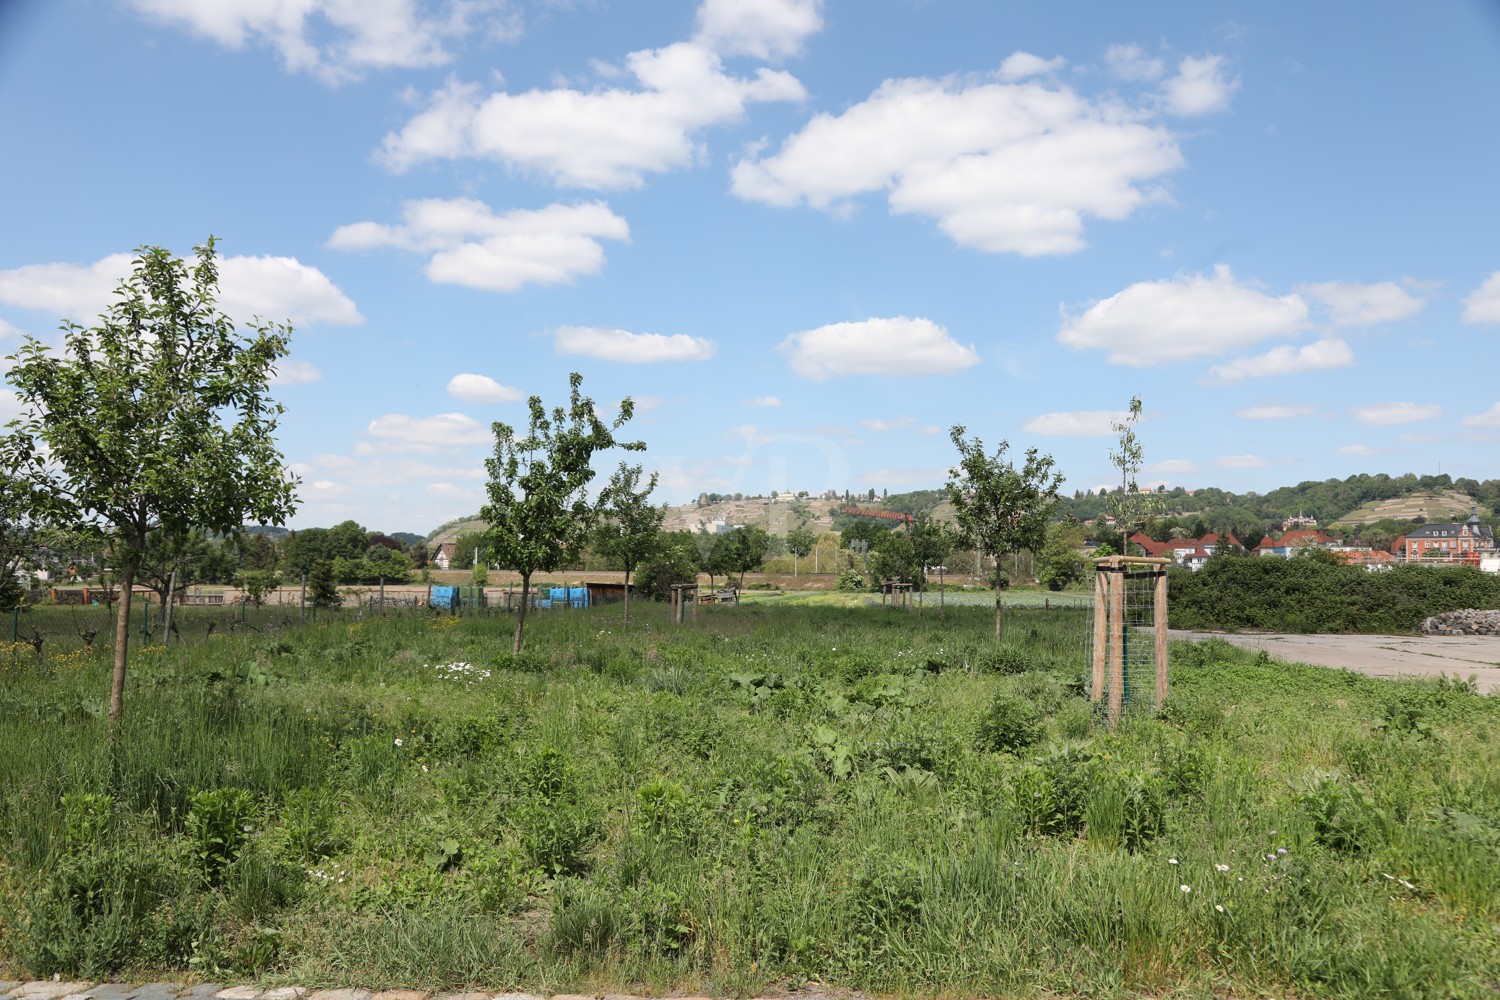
<point x="1378" y="655"/>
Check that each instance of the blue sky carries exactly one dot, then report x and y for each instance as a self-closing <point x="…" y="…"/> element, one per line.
<point x="806" y="237"/>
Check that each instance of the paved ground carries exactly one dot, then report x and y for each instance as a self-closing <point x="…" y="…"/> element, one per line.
<point x="1379" y="655"/>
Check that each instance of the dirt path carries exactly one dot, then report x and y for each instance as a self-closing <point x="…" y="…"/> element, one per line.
<point x="1378" y="655"/>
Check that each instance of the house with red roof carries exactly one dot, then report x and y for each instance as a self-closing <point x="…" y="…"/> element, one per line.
<point x="1296" y="540"/>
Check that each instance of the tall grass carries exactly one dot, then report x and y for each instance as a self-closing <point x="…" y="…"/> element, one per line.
<point x="867" y="798"/>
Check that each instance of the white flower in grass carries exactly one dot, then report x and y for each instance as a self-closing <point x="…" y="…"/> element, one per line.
<point x="1221" y="868"/>
<point x="1271" y="857"/>
<point x="1281" y="850"/>
<point x="396" y="741"/>
<point x="1185" y="888"/>
<point x="1171" y="861"/>
<point x="1219" y="907"/>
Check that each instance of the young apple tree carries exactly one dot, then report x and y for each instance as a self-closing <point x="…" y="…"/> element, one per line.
<point x="630" y="523"/>
<point x="1000" y="508"/>
<point x="539" y="509"/>
<point x="158" y="418"/>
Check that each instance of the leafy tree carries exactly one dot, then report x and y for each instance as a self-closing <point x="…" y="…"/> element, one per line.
<point x="301" y="550"/>
<point x="257" y="583"/>
<point x="22" y="537"/>
<point x="539" y="511"/>
<point x="347" y="540"/>
<point x="799" y="542"/>
<point x="1131" y="507"/>
<point x="674" y="560"/>
<point x="464" y="548"/>
<point x="627" y="534"/>
<point x="744" y="550"/>
<point x="156" y="418"/>
<point x="1059" y="563"/>
<point x="895" y="558"/>
<point x="322" y="587"/>
<point x="1001" y="508"/>
<point x="714" y="555"/>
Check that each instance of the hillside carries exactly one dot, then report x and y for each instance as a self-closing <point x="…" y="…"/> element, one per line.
<point x="1440" y="505"/>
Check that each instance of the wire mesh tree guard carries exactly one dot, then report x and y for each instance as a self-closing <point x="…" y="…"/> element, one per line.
<point x="1130" y="634"/>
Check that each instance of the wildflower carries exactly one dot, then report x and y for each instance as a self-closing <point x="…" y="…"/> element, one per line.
<point x="1171" y="861"/>
<point x="1185" y="888"/>
<point x="1221" y="868"/>
<point x="1219" y="907"/>
<point x="397" y="741"/>
<point x="1281" y="850"/>
<point x="424" y="768"/>
<point x="1271" y="857"/>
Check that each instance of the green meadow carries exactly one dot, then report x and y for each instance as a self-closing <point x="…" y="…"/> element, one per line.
<point x="779" y="794"/>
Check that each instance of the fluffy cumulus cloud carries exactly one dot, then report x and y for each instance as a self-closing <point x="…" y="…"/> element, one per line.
<point x="599" y="139"/>
<point x="1021" y="65"/>
<point x="1172" y="465"/>
<point x="1004" y="166"/>
<point x="1489" y="418"/>
<point x="900" y="345"/>
<point x="1275" y="411"/>
<point x="1199" y="88"/>
<point x="1357" y="450"/>
<point x="1286" y="360"/>
<point x="1180" y="319"/>
<point x="1351" y="303"/>
<point x="1083" y="423"/>
<point x="293" y="372"/>
<point x="637" y="348"/>
<point x="762" y="402"/>
<point x="1483" y="304"/>
<point x="273" y="288"/>
<point x="473" y="388"/>
<point x="1386" y="414"/>
<point x="399" y="433"/>
<point x="337" y="40"/>
<point x="468" y="244"/>
<point x="762" y="29"/>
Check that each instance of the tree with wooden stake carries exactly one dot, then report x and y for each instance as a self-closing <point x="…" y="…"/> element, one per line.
<point x="1000" y="508"/>
<point x="630" y="522"/>
<point x="158" y="418"/>
<point x="539" y="510"/>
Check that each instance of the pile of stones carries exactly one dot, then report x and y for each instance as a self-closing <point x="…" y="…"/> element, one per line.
<point x="1466" y="622"/>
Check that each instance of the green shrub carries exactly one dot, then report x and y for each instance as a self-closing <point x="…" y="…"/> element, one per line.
<point x="1342" y="816"/>
<point x="218" y="823"/>
<point x="1009" y="725"/>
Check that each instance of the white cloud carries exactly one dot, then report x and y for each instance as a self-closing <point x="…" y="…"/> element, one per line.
<point x="473" y="388"/>
<point x="335" y="40"/>
<point x="930" y="430"/>
<point x="399" y="433"/>
<point x="637" y="348"/>
<point x="472" y="246"/>
<point x="10" y="406"/>
<point x="1483" y="303"/>
<point x="763" y="402"/>
<point x="7" y="330"/>
<point x="645" y="404"/>
<point x="1172" y="465"/>
<point x="900" y="345"/>
<point x="1199" y="88"/>
<point x="1358" y="450"/>
<point x="1489" y="418"/>
<point x="763" y="29"/>
<point x="894" y="424"/>
<point x="1003" y="167"/>
<point x="293" y="372"/>
<point x="1020" y="65"/>
<point x="1275" y="411"/>
<point x="1286" y="360"/>
<point x="598" y="139"/>
<point x="1182" y="318"/>
<point x="274" y="288"/>
<point x="1351" y="303"/>
<point x="1385" y="414"/>
<point x="1241" y="462"/>
<point x="1084" y="423"/>
<point x="1130" y="62"/>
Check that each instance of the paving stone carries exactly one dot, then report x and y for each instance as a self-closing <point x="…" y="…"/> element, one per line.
<point x="158" y="991"/>
<point x="112" y="991"/>
<point x="239" y="993"/>
<point x="574" y="996"/>
<point x="402" y="995"/>
<point x="340" y="995"/>
<point x="622" y="996"/>
<point x="285" y="993"/>
<point x="47" y="989"/>
<point x="201" y="990"/>
<point x="461" y="996"/>
<point x="517" y="996"/>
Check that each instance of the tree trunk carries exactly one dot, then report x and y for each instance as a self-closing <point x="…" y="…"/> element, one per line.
<point x="166" y="615"/>
<point x="122" y="643"/>
<point x="997" y="598"/>
<point x="942" y="597"/>
<point x="627" y="595"/>
<point x="515" y="647"/>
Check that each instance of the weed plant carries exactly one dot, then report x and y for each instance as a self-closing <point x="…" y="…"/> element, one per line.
<point x="871" y="799"/>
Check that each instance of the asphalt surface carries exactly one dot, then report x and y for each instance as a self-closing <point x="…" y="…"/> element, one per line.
<point x="1463" y="656"/>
